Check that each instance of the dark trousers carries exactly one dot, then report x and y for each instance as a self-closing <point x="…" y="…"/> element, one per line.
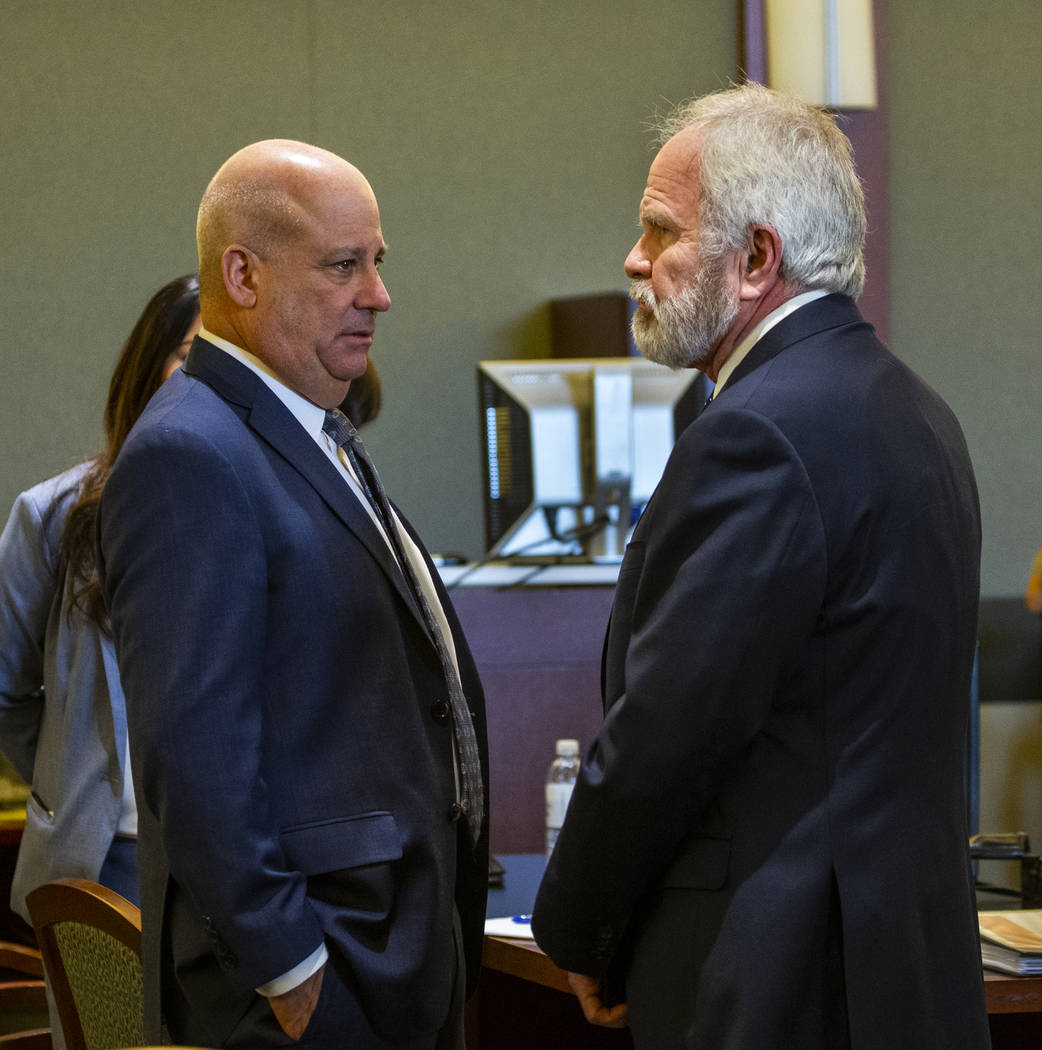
<point x="119" y="871"/>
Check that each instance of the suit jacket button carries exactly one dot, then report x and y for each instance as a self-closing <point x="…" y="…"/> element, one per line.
<point x="455" y="812"/>
<point x="440" y="711"/>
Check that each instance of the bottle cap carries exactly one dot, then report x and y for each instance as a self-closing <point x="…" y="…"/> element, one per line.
<point x="567" y="748"/>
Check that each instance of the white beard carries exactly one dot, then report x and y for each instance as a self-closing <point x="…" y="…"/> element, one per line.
<point x="684" y="330"/>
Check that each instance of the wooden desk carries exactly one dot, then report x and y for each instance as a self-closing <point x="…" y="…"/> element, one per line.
<point x="538" y="651"/>
<point x="1014" y="1010"/>
<point x="524" y="1001"/>
<point x="524" y="959"/>
<point x="1006" y="994"/>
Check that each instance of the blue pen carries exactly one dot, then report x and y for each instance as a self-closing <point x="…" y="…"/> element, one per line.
<point x="521" y="918"/>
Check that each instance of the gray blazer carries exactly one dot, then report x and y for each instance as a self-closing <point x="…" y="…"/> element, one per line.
<point x="67" y="739"/>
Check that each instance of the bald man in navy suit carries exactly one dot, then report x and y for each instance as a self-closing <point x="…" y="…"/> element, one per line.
<point x="311" y="875"/>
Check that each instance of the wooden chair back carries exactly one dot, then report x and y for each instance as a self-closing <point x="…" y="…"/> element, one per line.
<point x="30" y="1039"/>
<point x="90" y="940"/>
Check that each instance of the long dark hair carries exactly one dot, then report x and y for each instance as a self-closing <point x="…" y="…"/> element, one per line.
<point x="362" y="404"/>
<point x="137" y="376"/>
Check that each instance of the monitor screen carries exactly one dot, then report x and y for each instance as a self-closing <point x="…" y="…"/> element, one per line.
<point x="573" y="449"/>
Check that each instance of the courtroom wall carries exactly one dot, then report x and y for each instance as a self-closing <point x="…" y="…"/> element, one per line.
<point x="505" y="142"/>
<point x="965" y="200"/>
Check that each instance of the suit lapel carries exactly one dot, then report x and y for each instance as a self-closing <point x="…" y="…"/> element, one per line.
<point x="269" y="418"/>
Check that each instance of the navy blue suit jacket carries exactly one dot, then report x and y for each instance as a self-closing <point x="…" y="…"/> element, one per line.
<point x="293" y="763"/>
<point x="768" y="839"/>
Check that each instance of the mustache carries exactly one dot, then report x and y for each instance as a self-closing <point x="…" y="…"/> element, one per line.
<point x="641" y="293"/>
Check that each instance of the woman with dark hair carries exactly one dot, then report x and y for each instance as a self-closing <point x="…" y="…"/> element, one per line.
<point x="62" y="719"/>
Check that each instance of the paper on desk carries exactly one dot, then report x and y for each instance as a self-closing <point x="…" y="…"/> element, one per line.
<point x="1020" y="930"/>
<point x="1011" y="941"/>
<point x="511" y="926"/>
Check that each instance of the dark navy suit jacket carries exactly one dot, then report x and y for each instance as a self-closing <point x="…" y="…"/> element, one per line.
<point x="289" y="745"/>
<point x="768" y="840"/>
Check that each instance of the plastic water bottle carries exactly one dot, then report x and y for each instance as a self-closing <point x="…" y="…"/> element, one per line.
<point x="560" y="779"/>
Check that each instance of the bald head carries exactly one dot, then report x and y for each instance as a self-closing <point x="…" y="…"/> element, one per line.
<point x="263" y="196"/>
<point x="290" y="249"/>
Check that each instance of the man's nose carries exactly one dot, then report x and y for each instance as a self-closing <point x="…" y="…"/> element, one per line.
<point x="637" y="263"/>
<point x="373" y="295"/>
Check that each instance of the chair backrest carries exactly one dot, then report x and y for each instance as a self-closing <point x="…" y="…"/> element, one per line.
<point x="24" y="1018"/>
<point x="34" y="1039"/>
<point x="20" y="959"/>
<point x="90" y="939"/>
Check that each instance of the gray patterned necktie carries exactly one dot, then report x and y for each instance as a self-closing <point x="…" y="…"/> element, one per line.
<point x="472" y="800"/>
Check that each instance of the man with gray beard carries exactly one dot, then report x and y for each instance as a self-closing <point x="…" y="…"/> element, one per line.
<point x="767" y="845"/>
<point x="682" y="331"/>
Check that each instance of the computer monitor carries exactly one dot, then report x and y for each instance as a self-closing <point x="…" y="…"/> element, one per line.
<point x="573" y="449"/>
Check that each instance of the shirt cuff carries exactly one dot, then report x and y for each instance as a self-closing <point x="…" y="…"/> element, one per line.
<point x="298" y="975"/>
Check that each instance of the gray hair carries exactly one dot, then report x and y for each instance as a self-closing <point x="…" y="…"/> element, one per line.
<point x="766" y="157"/>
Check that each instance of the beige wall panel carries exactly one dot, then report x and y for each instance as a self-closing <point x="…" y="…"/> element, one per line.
<point x="965" y="196"/>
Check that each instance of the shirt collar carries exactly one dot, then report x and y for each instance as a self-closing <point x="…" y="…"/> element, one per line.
<point x="761" y="329"/>
<point x="308" y="414"/>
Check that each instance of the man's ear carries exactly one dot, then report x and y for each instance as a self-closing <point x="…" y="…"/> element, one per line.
<point x="239" y="270"/>
<point x="760" y="262"/>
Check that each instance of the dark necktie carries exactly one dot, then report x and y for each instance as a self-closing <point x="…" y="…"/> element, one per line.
<point x="343" y="434"/>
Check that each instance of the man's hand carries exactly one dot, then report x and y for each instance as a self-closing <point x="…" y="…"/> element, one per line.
<point x="293" y="1009"/>
<point x="588" y="992"/>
